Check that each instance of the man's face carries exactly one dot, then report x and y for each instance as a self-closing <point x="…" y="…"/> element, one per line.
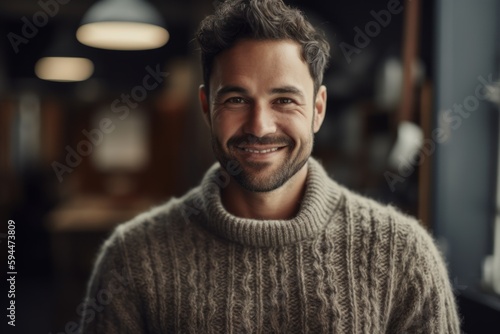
<point x="262" y="111"/>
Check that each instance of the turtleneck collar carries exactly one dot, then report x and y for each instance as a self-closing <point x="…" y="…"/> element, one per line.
<point x="320" y="200"/>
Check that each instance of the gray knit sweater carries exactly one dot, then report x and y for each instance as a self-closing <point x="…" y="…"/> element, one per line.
<point x="344" y="264"/>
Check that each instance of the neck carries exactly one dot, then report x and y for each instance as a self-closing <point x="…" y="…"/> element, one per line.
<point x="281" y="203"/>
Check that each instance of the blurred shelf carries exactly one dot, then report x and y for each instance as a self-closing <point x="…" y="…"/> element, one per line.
<point x="95" y="213"/>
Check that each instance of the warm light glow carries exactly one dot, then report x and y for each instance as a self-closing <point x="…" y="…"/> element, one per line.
<point x="122" y="35"/>
<point x="64" y="68"/>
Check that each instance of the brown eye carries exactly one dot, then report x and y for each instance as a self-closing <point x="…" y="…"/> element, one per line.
<point x="236" y="100"/>
<point x="284" y="101"/>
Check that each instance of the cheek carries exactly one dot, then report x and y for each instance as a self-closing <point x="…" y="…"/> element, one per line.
<point x="299" y="130"/>
<point x="224" y="127"/>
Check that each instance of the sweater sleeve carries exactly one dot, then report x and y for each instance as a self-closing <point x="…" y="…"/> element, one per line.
<point x="111" y="304"/>
<point x="423" y="300"/>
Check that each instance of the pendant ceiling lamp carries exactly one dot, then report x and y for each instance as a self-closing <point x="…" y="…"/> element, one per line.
<point x="64" y="60"/>
<point x="123" y="25"/>
<point x="64" y="69"/>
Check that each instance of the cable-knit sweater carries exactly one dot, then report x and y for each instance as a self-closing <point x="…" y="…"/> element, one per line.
<point x="344" y="264"/>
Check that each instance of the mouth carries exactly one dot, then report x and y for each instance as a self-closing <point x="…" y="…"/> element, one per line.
<point x="257" y="150"/>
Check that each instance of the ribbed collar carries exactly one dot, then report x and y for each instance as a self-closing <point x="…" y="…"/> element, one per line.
<point x="320" y="200"/>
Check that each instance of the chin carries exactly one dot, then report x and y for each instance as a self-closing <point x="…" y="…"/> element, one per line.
<point x="268" y="180"/>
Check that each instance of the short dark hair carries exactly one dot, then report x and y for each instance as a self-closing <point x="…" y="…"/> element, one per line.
<point x="234" y="20"/>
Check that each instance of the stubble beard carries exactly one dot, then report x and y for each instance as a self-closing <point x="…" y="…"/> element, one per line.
<point x="249" y="178"/>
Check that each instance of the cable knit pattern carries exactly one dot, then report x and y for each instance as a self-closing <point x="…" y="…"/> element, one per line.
<point x="344" y="264"/>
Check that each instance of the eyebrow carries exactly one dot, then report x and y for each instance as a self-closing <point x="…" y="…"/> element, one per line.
<point x="278" y="90"/>
<point x="230" y="89"/>
<point x="287" y="90"/>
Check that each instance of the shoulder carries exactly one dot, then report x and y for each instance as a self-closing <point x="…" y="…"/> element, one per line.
<point x="361" y="208"/>
<point x="409" y="246"/>
<point x="385" y="220"/>
<point x="173" y="212"/>
<point x="169" y="217"/>
<point x="143" y="243"/>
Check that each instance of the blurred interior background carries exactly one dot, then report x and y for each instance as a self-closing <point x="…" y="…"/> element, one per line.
<point x="95" y="136"/>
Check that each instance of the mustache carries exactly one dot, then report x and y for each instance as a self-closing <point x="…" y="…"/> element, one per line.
<point x="254" y="140"/>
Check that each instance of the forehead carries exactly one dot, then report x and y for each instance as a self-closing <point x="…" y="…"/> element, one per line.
<point x="261" y="63"/>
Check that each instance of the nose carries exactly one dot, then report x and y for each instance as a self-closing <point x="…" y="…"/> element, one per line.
<point x="260" y="121"/>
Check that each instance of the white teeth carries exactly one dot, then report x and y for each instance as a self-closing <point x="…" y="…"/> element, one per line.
<point x="262" y="151"/>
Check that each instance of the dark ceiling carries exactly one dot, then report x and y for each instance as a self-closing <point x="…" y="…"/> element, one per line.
<point x="114" y="70"/>
<point x="118" y="70"/>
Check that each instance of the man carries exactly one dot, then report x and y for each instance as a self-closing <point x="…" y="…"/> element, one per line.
<point x="268" y="243"/>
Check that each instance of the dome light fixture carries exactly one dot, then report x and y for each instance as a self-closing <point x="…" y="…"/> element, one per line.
<point x="64" y="69"/>
<point x="123" y="25"/>
<point x="64" y="60"/>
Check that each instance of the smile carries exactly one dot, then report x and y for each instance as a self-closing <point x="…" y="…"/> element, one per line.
<point x="261" y="151"/>
<point x="256" y="150"/>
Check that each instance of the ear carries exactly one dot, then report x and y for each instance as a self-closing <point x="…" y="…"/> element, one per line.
<point x="205" y="108"/>
<point x="319" y="108"/>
